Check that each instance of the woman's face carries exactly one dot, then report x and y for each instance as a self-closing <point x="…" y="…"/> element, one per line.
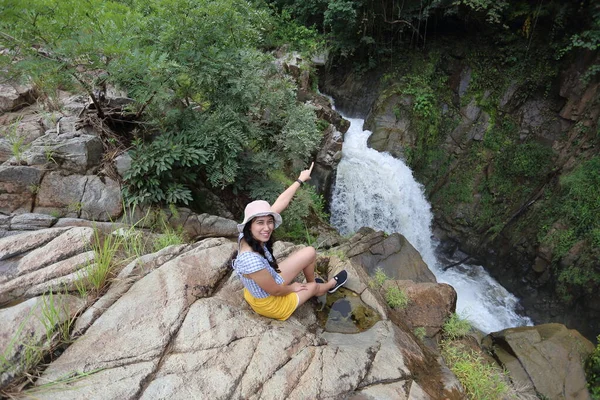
<point x="262" y="227"/>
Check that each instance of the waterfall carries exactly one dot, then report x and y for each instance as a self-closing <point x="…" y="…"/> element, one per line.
<point x="376" y="190"/>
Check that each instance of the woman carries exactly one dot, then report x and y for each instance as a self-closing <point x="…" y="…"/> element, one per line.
<point x="268" y="286"/>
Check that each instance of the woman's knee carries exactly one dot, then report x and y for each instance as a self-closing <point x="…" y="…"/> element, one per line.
<point x="310" y="253"/>
<point x="312" y="288"/>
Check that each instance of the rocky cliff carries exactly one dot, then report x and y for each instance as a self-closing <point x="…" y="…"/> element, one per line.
<point x="510" y="167"/>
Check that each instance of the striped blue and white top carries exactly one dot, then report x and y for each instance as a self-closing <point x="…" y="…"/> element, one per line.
<point x="249" y="262"/>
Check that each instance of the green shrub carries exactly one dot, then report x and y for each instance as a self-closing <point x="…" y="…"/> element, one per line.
<point x="456" y="327"/>
<point x="581" y="196"/>
<point x="396" y="298"/>
<point x="208" y="102"/>
<point x="592" y="371"/>
<point x="52" y="312"/>
<point x="529" y="160"/>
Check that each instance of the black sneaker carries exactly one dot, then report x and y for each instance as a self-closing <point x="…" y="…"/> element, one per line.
<point x="340" y="279"/>
<point x="319" y="280"/>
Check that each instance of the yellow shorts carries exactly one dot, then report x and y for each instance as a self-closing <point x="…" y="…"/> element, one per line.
<point x="276" y="307"/>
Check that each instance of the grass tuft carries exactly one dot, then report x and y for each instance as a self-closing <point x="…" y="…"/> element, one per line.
<point x="378" y="279"/>
<point x="481" y="380"/>
<point x="456" y="327"/>
<point x="396" y="298"/>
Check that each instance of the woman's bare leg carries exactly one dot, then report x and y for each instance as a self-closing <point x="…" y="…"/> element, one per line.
<point x="314" y="289"/>
<point x="302" y="260"/>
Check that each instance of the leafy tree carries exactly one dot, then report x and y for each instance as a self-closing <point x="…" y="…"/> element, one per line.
<point x="210" y="99"/>
<point x="64" y="44"/>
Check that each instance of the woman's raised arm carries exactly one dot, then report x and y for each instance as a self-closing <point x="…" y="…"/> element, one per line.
<point x="284" y="198"/>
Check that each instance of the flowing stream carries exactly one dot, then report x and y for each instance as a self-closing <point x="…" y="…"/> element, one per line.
<point x="376" y="190"/>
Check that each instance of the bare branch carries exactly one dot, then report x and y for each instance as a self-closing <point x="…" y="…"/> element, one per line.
<point x="399" y="21"/>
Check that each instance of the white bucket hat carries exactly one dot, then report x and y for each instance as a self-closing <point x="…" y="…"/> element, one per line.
<point x="258" y="208"/>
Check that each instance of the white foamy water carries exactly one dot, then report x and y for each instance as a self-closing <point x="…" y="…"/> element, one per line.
<point x="376" y="190"/>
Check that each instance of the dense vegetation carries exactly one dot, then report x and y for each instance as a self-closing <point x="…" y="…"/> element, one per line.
<point x="210" y="104"/>
<point x="373" y="31"/>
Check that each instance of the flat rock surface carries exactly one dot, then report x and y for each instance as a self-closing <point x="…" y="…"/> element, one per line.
<point x="138" y="327"/>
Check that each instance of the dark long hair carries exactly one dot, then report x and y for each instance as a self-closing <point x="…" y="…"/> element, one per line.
<point x="257" y="246"/>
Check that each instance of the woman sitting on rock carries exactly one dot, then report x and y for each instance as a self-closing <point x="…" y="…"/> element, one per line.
<point x="268" y="286"/>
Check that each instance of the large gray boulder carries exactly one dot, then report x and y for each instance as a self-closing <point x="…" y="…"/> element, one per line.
<point x="205" y="225"/>
<point x="393" y="254"/>
<point x="74" y="152"/>
<point x="390" y="124"/>
<point x="35" y="262"/>
<point x="19" y="129"/>
<point x="140" y="325"/>
<point x="101" y="199"/>
<point x="547" y="357"/>
<point x="429" y="304"/>
<point x="81" y="196"/>
<point x="18" y="245"/>
<point x="14" y="96"/>
<point x="18" y="185"/>
<point x="31" y="221"/>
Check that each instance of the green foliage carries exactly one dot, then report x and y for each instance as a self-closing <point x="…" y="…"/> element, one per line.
<point x="339" y="254"/>
<point x="210" y="98"/>
<point x="491" y="9"/>
<point x="528" y="160"/>
<point x="64" y="44"/>
<point x="481" y="380"/>
<point x="168" y="238"/>
<point x="288" y="31"/>
<point x="581" y="196"/>
<point x="168" y="235"/>
<point x="373" y="32"/>
<point x="97" y="273"/>
<point x="592" y="371"/>
<point x="456" y="327"/>
<point x="396" y="297"/>
<point x="299" y="136"/>
<point x="587" y="39"/>
<point x="307" y="204"/>
<point x="500" y="135"/>
<point x="576" y="205"/>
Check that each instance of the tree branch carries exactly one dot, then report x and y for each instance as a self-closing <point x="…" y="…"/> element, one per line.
<point x="399" y="21"/>
<point x="139" y="113"/>
<point x="91" y="94"/>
